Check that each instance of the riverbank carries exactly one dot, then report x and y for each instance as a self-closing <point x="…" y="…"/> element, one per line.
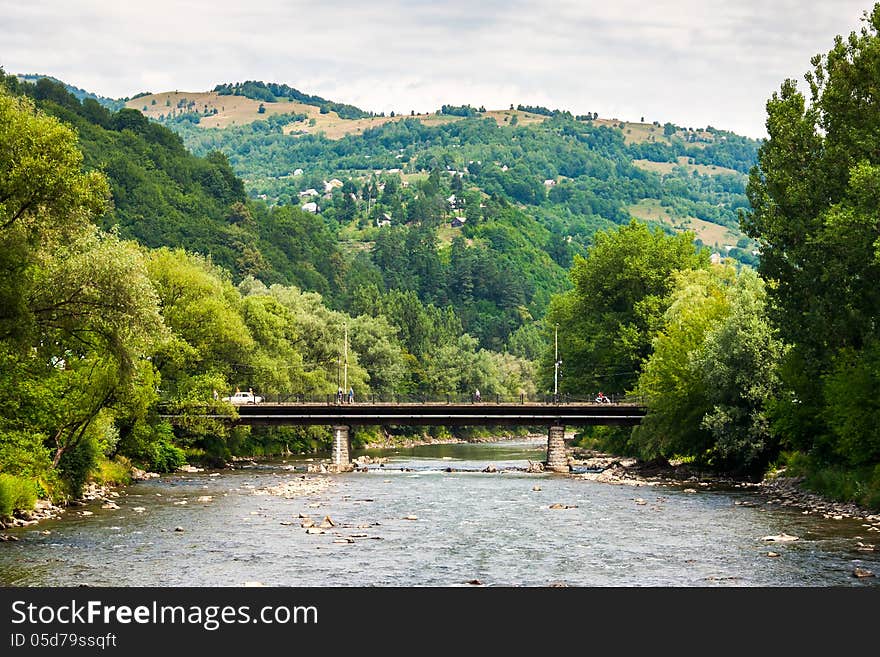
<point x="777" y="489"/>
<point x="46" y="510"/>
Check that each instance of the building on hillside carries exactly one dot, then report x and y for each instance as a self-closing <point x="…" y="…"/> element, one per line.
<point x="715" y="258"/>
<point x="308" y="192"/>
<point x="310" y="207"/>
<point x="332" y="184"/>
<point x="549" y="182"/>
<point x="458" y="222"/>
<point x="298" y="172"/>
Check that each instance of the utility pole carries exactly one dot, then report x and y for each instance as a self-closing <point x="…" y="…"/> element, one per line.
<point x="345" y="366"/>
<point x="556" y="365"/>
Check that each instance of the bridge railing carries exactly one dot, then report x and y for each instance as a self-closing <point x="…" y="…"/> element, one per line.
<point x="451" y="398"/>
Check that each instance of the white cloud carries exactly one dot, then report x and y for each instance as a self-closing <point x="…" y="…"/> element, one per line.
<point x="693" y="62"/>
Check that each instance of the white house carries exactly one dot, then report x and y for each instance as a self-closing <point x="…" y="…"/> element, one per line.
<point x="549" y="182"/>
<point x="715" y="258"/>
<point x="297" y="172"/>
<point x="310" y="207"/>
<point x="308" y="192"/>
<point x="331" y="185"/>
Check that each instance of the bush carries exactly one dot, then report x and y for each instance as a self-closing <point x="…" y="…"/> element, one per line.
<point x="16" y="494"/>
<point x="24" y="453"/>
<point x="152" y="446"/>
<point x="116" y="472"/>
<point x="77" y="463"/>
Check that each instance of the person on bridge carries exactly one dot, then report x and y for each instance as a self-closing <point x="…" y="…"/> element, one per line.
<point x="477" y="395"/>
<point x="351" y="395"/>
<point x="339" y="395"/>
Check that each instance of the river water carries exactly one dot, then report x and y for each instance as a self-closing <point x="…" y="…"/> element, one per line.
<point x="413" y="523"/>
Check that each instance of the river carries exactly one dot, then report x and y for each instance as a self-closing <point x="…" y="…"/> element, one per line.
<point x="413" y="523"/>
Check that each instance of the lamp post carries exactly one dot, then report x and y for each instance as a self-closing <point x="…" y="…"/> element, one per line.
<point x="345" y="366"/>
<point x="556" y="365"/>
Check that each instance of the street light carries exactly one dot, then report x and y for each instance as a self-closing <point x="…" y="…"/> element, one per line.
<point x="556" y="365"/>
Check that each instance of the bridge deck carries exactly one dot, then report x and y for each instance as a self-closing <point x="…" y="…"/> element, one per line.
<point x="438" y="413"/>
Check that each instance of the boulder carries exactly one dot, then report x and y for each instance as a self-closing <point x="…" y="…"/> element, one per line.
<point x="179" y="529"/>
<point x="490" y="468"/>
<point x="327" y="523"/>
<point x="862" y="572"/>
<point x="779" y="538"/>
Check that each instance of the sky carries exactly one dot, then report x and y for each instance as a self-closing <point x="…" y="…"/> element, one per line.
<point x="691" y="62"/>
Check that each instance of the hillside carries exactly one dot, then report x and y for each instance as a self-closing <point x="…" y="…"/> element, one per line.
<point x="582" y="172"/>
<point x="481" y="210"/>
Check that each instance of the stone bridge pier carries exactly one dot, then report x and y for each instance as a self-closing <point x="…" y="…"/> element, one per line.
<point x="557" y="461"/>
<point x="341" y="456"/>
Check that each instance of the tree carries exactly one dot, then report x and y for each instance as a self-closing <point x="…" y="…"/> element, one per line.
<point x="620" y="293"/>
<point x="713" y="373"/>
<point x="814" y="198"/>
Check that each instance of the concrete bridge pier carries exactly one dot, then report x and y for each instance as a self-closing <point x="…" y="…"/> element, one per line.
<point x="557" y="461"/>
<point x="341" y="461"/>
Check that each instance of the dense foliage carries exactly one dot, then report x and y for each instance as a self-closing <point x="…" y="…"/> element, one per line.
<point x="96" y="330"/>
<point x="814" y="198"/>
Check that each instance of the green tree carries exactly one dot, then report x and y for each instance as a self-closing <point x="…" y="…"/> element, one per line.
<point x="713" y="373"/>
<point x="814" y="198"/>
<point x="621" y="290"/>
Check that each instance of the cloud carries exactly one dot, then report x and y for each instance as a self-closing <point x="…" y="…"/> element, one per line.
<point x="693" y="62"/>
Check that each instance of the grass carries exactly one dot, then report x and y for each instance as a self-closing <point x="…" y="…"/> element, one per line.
<point x="703" y="169"/>
<point x="16" y="494"/>
<point x="859" y="485"/>
<point x="231" y="110"/>
<point x="116" y="472"/>
<point x="709" y="233"/>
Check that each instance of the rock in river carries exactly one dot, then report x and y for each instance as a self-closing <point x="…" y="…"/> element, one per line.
<point x="862" y="572"/>
<point x="779" y="538"/>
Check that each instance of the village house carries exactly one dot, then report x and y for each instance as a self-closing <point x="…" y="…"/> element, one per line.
<point x="458" y="222"/>
<point x="310" y="207"/>
<point x="331" y="185"/>
<point x="308" y="192"/>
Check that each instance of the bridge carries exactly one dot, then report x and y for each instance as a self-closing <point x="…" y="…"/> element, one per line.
<point x="342" y="416"/>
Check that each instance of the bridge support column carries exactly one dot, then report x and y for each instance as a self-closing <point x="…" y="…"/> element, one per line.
<point x="341" y="449"/>
<point x="556" y="459"/>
